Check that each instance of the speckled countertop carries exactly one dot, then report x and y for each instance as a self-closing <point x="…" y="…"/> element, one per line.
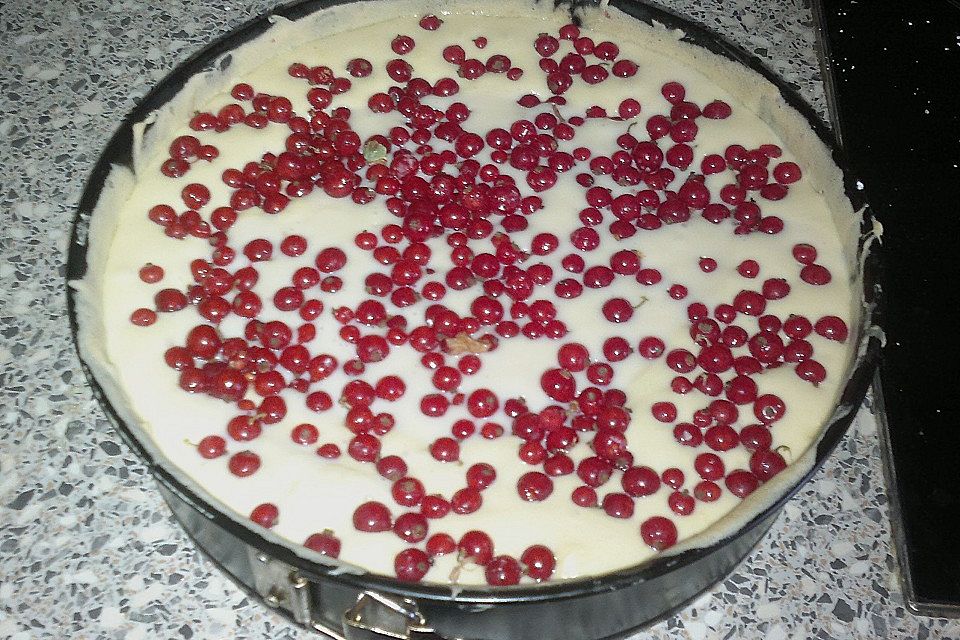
<point x="87" y="547"/>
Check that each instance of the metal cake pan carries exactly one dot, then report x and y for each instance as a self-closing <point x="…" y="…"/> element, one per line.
<point x="368" y="606"/>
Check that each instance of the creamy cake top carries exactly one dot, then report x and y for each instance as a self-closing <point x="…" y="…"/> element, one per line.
<point x="455" y="301"/>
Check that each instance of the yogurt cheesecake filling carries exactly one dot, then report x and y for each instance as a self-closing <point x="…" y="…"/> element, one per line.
<point x="679" y="311"/>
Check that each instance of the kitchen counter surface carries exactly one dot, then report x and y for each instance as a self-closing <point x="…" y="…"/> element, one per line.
<point x="87" y="547"/>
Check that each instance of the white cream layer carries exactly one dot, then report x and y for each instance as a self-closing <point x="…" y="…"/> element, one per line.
<point x="313" y="493"/>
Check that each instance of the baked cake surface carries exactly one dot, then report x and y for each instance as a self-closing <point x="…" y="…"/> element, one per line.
<point x="444" y="298"/>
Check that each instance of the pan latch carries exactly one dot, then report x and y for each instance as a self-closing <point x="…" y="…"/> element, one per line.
<point x="377" y="617"/>
<point x="282" y="587"/>
<point x="373" y="617"/>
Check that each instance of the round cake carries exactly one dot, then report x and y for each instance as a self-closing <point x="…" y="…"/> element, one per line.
<point x="476" y="295"/>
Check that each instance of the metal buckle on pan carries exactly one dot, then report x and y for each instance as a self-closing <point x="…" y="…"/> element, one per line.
<point x="282" y="587"/>
<point x="376" y="617"/>
<point x="373" y="617"/>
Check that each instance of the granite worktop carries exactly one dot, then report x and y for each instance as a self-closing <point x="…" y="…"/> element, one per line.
<point x="87" y="547"/>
